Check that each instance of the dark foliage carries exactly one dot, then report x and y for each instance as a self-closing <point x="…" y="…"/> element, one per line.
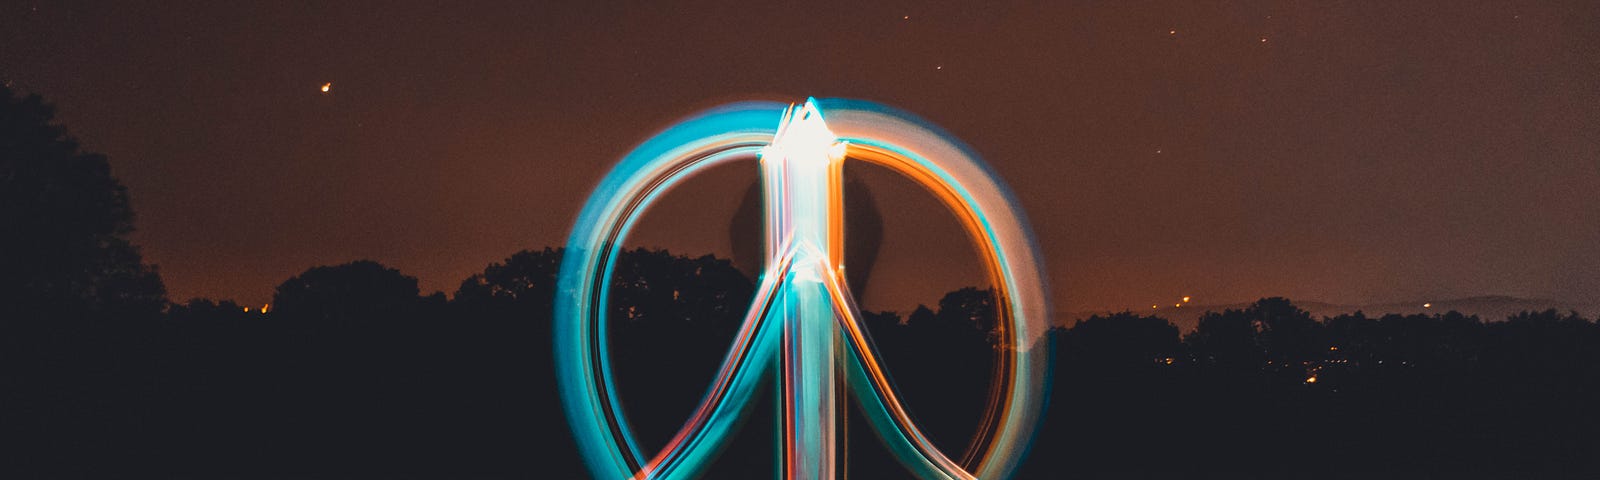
<point x="64" y="222"/>
<point x="358" y="291"/>
<point x="1268" y="391"/>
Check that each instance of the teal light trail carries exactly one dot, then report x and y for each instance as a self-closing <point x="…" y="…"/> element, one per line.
<point x="802" y="329"/>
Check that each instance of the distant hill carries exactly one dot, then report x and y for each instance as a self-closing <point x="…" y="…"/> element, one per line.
<point x="1488" y="308"/>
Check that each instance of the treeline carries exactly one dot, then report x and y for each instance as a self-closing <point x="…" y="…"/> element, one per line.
<point x="1270" y="391"/>
<point x="354" y="373"/>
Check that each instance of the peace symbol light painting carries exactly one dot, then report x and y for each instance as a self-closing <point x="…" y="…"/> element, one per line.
<point x="803" y="324"/>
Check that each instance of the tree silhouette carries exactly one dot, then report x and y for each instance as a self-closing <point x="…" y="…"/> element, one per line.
<point x="968" y="308"/>
<point x="355" y="291"/>
<point x="1289" y="336"/>
<point x="206" y="310"/>
<point x="1227" y="340"/>
<point x="921" y="315"/>
<point x="522" y="285"/>
<point x="64" y="247"/>
<point x="79" y="340"/>
<point x="1121" y="342"/>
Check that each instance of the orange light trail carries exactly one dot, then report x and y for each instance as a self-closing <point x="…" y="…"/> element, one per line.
<point x="803" y="319"/>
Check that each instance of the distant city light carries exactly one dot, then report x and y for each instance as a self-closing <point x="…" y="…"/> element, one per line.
<point x="1185" y="299"/>
<point x="1311" y="379"/>
<point x="1427" y="305"/>
<point x="265" y="306"/>
<point x="326" y="87"/>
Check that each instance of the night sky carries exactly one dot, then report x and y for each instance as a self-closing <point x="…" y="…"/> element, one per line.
<point x="1321" y="150"/>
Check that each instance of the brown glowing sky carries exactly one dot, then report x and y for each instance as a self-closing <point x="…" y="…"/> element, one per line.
<point x="1366" y="151"/>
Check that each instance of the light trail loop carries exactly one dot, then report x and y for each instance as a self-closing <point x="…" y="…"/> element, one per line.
<point x="803" y="322"/>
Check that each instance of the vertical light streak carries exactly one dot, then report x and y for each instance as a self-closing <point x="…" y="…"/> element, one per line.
<point x="801" y="166"/>
<point x="808" y="395"/>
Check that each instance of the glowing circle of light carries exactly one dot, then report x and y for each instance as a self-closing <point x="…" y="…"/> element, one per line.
<point x="803" y="325"/>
